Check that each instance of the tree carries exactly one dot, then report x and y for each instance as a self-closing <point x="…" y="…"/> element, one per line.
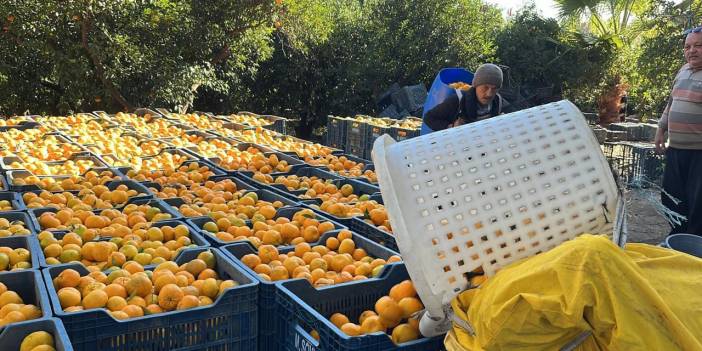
<point x="371" y="45"/>
<point x="116" y="54"/>
<point x="543" y="56"/>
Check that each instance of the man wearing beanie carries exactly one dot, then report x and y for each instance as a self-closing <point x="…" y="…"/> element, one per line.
<point x="479" y="102"/>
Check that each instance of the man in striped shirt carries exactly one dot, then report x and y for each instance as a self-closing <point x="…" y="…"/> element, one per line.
<point x="682" y="120"/>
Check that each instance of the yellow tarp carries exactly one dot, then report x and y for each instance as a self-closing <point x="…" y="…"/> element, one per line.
<point x="641" y="298"/>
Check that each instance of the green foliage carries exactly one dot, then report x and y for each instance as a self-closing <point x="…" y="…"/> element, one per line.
<point x="370" y="46"/>
<point x="541" y="54"/>
<point x="118" y="54"/>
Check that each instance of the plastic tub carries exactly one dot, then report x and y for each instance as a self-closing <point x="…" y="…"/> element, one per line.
<point x="688" y="243"/>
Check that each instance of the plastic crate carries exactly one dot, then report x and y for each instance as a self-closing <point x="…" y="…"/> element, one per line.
<point x="20" y="216"/>
<point x="29" y="285"/>
<point x="304" y="308"/>
<point x="401" y="134"/>
<point x="230" y="323"/>
<point x="268" y="309"/>
<point x="357" y="137"/>
<point x="636" y="163"/>
<point x="11" y="337"/>
<point x="486" y="194"/>
<point x="336" y="132"/>
<point x="359" y="188"/>
<point x="277" y="124"/>
<point x="305" y="171"/>
<point x="15" y="200"/>
<point x="287" y="212"/>
<point x="28" y="242"/>
<point x="195" y="238"/>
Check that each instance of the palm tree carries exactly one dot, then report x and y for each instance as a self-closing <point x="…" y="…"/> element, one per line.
<point x="614" y="20"/>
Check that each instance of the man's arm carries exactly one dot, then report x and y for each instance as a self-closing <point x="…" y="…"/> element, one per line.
<point x="443" y="114"/>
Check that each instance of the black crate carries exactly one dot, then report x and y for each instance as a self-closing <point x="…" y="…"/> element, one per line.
<point x="336" y="132"/>
<point x="357" y="137"/>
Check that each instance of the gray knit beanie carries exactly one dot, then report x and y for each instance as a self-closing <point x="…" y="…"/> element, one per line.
<point x="488" y="74"/>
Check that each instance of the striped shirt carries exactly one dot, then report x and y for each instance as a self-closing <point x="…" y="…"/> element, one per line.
<point x="682" y="117"/>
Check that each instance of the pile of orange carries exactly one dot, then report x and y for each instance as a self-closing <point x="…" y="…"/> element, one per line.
<point x="8" y="228"/>
<point x="98" y="197"/>
<point x="13" y="309"/>
<point x="189" y="174"/>
<point x="328" y="191"/>
<point x="395" y="313"/>
<point x="144" y="244"/>
<point x="268" y="230"/>
<point x="232" y="159"/>
<point x="106" y="223"/>
<point x="369" y="210"/>
<point x="206" y="192"/>
<point x="72" y="183"/>
<point x="14" y="259"/>
<point x="337" y="261"/>
<point x="243" y="205"/>
<point x="136" y="292"/>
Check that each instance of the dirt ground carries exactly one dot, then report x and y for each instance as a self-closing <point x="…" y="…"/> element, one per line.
<point x="644" y="223"/>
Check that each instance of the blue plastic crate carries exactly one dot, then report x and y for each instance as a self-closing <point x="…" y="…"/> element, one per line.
<point x="240" y="185"/>
<point x="306" y="171"/>
<point x="305" y="308"/>
<point x="29" y="285"/>
<point x="15" y="200"/>
<point x="230" y="323"/>
<point x="20" y="216"/>
<point x="294" y="162"/>
<point x="28" y="242"/>
<point x="288" y="212"/>
<point x="268" y="309"/>
<point x="195" y="238"/>
<point x="11" y="337"/>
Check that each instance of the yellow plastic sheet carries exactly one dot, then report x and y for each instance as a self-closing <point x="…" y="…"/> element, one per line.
<point x="640" y="298"/>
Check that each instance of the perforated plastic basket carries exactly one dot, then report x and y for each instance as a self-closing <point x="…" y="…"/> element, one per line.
<point x="489" y="193"/>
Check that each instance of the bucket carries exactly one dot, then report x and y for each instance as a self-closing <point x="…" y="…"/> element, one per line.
<point x="688" y="243"/>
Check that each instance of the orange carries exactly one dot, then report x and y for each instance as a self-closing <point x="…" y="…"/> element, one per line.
<point x="332" y="243"/>
<point x="409" y="306"/>
<point x="267" y="253"/>
<point x="279" y="273"/>
<point x="116" y="303"/>
<point x="115" y="290"/>
<point x="404" y="333"/>
<point x="372" y="324"/>
<point x="139" y="285"/>
<point x="344" y="234"/>
<point x="251" y="260"/>
<point x="69" y="297"/>
<point x="169" y="297"/>
<point x="301" y="249"/>
<point x="153" y="309"/>
<point x="402" y="290"/>
<point x="338" y="319"/>
<point x="133" y="311"/>
<point x="365" y="315"/>
<point x="310" y="234"/>
<point x="351" y="329"/>
<point x="68" y="278"/>
<point x="389" y="311"/>
<point x="188" y="301"/>
<point x="346" y="246"/>
<point x="30" y="312"/>
<point x="95" y="299"/>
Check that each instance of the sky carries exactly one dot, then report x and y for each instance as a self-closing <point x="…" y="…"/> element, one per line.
<point x="547" y="7"/>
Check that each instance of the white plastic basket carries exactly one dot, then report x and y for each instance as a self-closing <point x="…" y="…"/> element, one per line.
<point x="492" y="192"/>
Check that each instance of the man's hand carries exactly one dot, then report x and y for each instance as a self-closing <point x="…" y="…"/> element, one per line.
<point x="660" y="141"/>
